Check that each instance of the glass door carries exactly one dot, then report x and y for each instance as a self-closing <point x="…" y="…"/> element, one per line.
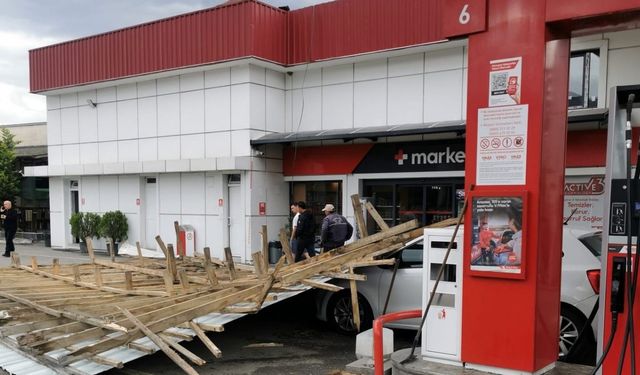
<point x="410" y="203"/>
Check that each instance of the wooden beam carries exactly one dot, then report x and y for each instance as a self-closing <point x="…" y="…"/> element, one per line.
<point x="376" y="216"/>
<point x="112" y="249"/>
<point x="257" y="263"/>
<point x="97" y="272"/>
<point x="345" y="276"/>
<point x="357" y="210"/>
<point x="167" y="254"/>
<point x="139" y="250"/>
<point x="265" y="248"/>
<point x="128" y="280"/>
<point x="184" y="281"/>
<point x="34" y="263"/>
<point x="321" y="285"/>
<point x="230" y="264"/>
<point x="55" y="266"/>
<point x="207" y="256"/>
<point x="161" y="343"/>
<point x="168" y="282"/>
<point x="106" y="361"/>
<point x="172" y="261"/>
<point x="141" y="348"/>
<point x="89" y="242"/>
<point x="205" y="340"/>
<point x="179" y="244"/>
<point x="286" y="249"/>
<point x="76" y="273"/>
<point x="182" y="350"/>
<point x="354" y="302"/>
<point x="369" y="263"/>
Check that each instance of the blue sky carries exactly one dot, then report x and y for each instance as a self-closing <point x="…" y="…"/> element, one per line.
<point x="28" y="24"/>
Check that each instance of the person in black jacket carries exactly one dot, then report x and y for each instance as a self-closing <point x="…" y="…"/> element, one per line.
<point x="10" y="217"/>
<point x="305" y="233"/>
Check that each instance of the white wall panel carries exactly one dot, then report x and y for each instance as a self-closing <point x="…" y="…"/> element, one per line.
<point x="147" y="88"/>
<point x="217" y="108"/>
<point x="192" y="146"/>
<point x="108" y="193"/>
<point x="56" y="197"/>
<point x="108" y="152"/>
<point x="257" y="74"/>
<point x="312" y="114"/>
<point x="54" y="155"/>
<point x="445" y="59"/>
<point x="217" y="77"/>
<point x="213" y="192"/>
<point x="337" y="106"/>
<point x="257" y="106"/>
<point x="192" y="81"/>
<point x="88" y="154"/>
<point x="623" y="39"/>
<point x="373" y="69"/>
<point x="169" y="193"/>
<point x="465" y="73"/>
<point x="128" y="150"/>
<point x="405" y="65"/>
<point x="85" y="96"/>
<point x="128" y="192"/>
<point x="274" y="79"/>
<point x="405" y="100"/>
<point x="168" y="115"/>
<point x="192" y="112"/>
<point x="215" y="236"/>
<point x="240" y="106"/>
<point x="277" y="194"/>
<point x="275" y="110"/>
<point x="443" y="96"/>
<point x="69" y="125"/>
<point x="70" y="154"/>
<point x="90" y="192"/>
<point x="125" y="92"/>
<point x="147" y="117"/>
<point x="53" y="127"/>
<point x="168" y="85"/>
<point x="107" y="122"/>
<point x="620" y="70"/>
<point x="167" y="231"/>
<point x="107" y="94"/>
<point x="337" y="74"/>
<point x="288" y="111"/>
<point x="88" y="123"/>
<point x="133" y="220"/>
<point x="370" y="103"/>
<point x="148" y="149"/>
<point x="57" y="229"/>
<point x="193" y="193"/>
<point x="169" y="148"/>
<point x="69" y="100"/>
<point x="240" y="74"/>
<point x="198" y="222"/>
<point x="308" y="78"/>
<point x="240" y="145"/>
<point x="128" y="119"/>
<point x="218" y="144"/>
<point x="53" y="102"/>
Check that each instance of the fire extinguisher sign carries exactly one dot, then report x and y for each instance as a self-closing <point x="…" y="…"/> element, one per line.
<point x="262" y="208"/>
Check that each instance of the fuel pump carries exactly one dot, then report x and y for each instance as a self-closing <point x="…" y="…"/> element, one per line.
<point x="616" y="332"/>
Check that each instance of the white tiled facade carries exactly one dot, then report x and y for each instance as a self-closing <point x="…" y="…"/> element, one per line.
<point x="191" y="130"/>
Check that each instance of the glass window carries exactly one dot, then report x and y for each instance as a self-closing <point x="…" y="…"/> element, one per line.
<point x="584" y="75"/>
<point x="593" y="242"/>
<point x="316" y="194"/>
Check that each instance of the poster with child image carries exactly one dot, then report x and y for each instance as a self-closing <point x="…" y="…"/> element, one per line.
<point x="496" y="243"/>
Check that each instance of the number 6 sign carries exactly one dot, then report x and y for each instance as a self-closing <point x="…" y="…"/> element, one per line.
<point x="463" y="17"/>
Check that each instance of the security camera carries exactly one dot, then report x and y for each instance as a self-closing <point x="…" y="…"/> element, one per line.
<point x="92" y="103"/>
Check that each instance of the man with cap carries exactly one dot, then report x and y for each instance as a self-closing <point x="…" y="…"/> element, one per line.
<point x="335" y="229"/>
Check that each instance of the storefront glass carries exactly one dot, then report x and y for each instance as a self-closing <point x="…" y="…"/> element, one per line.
<point x="427" y="200"/>
<point x="316" y="194"/>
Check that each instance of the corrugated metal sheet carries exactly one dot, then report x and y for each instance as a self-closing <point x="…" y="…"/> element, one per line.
<point x="226" y="32"/>
<point x="242" y="29"/>
<point x="350" y="27"/>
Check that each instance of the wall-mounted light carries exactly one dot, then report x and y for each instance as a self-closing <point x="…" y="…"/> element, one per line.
<point x="92" y="103"/>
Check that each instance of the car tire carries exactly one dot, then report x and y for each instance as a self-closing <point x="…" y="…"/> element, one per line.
<point x="571" y="323"/>
<point x="340" y="313"/>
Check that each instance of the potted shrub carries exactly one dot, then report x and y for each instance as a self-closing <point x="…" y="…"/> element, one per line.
<point x="83" y="225"/>
<point x="114" y="225"/>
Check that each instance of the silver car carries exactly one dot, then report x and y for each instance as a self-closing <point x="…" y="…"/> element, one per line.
<point x="580" y="281"/>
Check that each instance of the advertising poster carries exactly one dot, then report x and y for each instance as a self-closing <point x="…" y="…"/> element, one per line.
<point x="584" y="202"/>
<point x="502" y="145"/>
<point x="505" y="77"/>
<point x="496" y="242"/>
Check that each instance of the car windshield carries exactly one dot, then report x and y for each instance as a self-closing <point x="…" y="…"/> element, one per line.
<point x="593" y="242"/>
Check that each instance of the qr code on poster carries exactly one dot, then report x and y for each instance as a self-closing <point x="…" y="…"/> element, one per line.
<point x="498" y="81"/>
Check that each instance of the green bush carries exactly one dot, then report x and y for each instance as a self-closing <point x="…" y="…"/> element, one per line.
<point x="114" y="225"/>
<point x="84" y="224"/>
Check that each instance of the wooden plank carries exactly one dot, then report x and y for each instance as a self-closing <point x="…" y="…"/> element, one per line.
<point x="211" y="275"/>
<point x="184" y="281"/>
<point x="34" y="263"/>
<point x="141" y="348"/>
<point x="97" y="272"/>
<point x="205" y="340"/>
<point x="128" y="280"/>
<point x="211" y="327"/>
<point x="269" y="283"/>
<point x="76" y="273"/>
<point x="179" y="245"/>
<point x="15" y="259"/>
<point x="230" y="264"/>
<point x="89" y="243"/>
<point x="139" y="250"/>
<point x="161" y="344"/>
<point x="345" y="276"/>
<point x="376" y="216"/>
<point x="355" y="307"/>
<point x="286" y="248"/>
<point x="172" y="261"/>
<point x="265" y="248"/>
<point x="369" y="263"/>
<point x="55" y="267"/>
<point x="207" y="256"/>
<point x="357" y="209"/>
<point x="257" y="263"/>
<point x="129" y="267"/>
<point x="107" y="362"/>
<point x="321" y="285"/>
<point x="168" y="282"/>
<point x="112" y="249"/>
<point x="173" y="343"/>
<point x="165" y="250"/>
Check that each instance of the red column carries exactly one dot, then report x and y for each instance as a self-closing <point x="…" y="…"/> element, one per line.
<point x="513" y="323"/>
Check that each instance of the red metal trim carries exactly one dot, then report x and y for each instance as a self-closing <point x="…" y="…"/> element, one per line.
<point x="323" y="160"/>
<point x="378" y="358"/>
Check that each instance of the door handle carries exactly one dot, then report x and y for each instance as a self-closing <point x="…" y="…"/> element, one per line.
<point x="229" y="221"/>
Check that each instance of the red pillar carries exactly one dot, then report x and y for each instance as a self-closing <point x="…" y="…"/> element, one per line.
<point x="513" y="323"/>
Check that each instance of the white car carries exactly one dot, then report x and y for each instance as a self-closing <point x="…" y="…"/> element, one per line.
<point x="580" y="282"/>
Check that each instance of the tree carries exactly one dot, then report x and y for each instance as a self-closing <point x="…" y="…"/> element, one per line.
<point x="9" y="174"/>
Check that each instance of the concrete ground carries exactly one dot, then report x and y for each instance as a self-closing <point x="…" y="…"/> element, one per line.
<point x="44" y="255"/>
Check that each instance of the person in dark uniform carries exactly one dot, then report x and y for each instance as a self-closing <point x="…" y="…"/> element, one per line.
<point x="10" y="217"/>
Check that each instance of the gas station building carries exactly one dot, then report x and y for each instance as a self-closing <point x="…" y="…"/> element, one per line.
<point x="220" y="118"/>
